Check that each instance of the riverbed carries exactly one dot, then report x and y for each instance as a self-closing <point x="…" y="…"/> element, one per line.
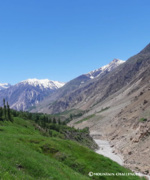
<point x="106" y="150"/>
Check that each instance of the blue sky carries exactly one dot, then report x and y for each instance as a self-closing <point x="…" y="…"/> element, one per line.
<point x="62" y="39"/>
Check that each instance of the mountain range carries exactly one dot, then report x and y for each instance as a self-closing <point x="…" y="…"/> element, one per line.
<point x="70" y="94"/>
<point x="116" y="107"/>
<point x="28" y="93"/>
<point x="114" y="99"/>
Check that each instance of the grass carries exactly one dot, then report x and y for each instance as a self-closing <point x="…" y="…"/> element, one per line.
<point x="22" y="159"/>
<point x="25" y="154"/>
<point x="75" y="113"/>
<point x="103" y="109"/>
<point x="143" y="119"/>
<point x="85" y="119"/>
<point x="66" y="112"/>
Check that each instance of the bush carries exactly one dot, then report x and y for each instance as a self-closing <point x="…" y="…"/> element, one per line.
<point x="143" y="119"/>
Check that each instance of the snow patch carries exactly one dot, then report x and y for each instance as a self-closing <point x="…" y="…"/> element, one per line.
<point x="4" y="86"/>
<point x="107" y="68"/>
<point x="43" y="83"/>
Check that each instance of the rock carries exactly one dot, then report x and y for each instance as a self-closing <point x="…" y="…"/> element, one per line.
<point x="130" y="153"/>
<point x="146" y="172"/>
<point x="145" y="101"/>
<point x="141" y="93"/>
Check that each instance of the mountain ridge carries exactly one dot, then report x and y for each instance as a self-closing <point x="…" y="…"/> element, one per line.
<point x="107" y="68"/>
<point x="28" y="93"/>
<point x="45" y="83"/>
<point x="56" y="102"/>
<point x="121" y="110"/>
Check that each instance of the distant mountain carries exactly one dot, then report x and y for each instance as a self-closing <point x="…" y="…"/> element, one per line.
<point x="4" y="86"/>
<point x="28" y="93"/>
<point x="43" y="83"/>
<point x="63" y="96"/>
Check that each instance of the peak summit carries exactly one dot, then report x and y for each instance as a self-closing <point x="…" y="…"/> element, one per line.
<point x="117" y="61"/>
<point x="105" y="69"/>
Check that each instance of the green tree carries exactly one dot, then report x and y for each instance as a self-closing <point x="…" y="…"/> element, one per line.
<point x="54" y="120"/>
<point x="8" y="113"/>
<point x="4" y="110"/>
<point x="49" y="120"/>
<point x="71" y="116"/>
<point x="59" y="122"/>
<point x="3" y="102"/>
<point x="1" y="114"/>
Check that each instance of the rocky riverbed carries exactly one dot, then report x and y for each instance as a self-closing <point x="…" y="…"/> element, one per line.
<point x="106" y="150"/>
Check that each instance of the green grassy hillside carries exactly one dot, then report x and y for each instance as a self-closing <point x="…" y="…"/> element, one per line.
<point x="27" y="152"/>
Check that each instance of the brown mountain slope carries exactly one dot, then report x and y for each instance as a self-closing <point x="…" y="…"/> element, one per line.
<point x="76" y="90"/>
<point x="122" y="115"/>
<point x="101" y="88"/>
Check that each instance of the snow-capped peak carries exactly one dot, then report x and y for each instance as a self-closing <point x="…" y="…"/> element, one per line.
<point x="107" y="68"/>
<point x="117" y="61"/>
<point x="4" y="86"/>
<point x="43" y="83"/>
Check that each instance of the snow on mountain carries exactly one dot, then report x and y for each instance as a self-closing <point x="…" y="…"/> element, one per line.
<point x="43" y="83"/>
<point x="28" y="93"/>
<point x="4" y="86"/>
<point x="104" y="69"/>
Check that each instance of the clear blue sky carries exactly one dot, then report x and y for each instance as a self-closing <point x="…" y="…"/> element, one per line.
<point x="62" y="39"/>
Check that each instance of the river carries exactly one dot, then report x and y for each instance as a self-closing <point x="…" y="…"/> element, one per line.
<point x="106" y="150"/>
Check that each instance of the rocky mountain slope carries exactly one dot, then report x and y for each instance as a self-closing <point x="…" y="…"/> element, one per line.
<point x="28" y="93"/>
<point x="73" y="92"/>
<point x="100" y="88"/>
<point x="105" y="69"/>
<point x="121" y="113"/>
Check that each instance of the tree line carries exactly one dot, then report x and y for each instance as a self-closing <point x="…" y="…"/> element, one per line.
<point x="5" y="112"/>
<point x="48" y="125"/>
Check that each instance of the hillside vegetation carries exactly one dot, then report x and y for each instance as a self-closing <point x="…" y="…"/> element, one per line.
<point x="30" y="149"/>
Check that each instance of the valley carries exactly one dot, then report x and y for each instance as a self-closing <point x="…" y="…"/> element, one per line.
<point x="74" y="90"/>
<point x="125" y="130"/>
<point x="111" y="104"/>
<point x="122" y="117"/>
